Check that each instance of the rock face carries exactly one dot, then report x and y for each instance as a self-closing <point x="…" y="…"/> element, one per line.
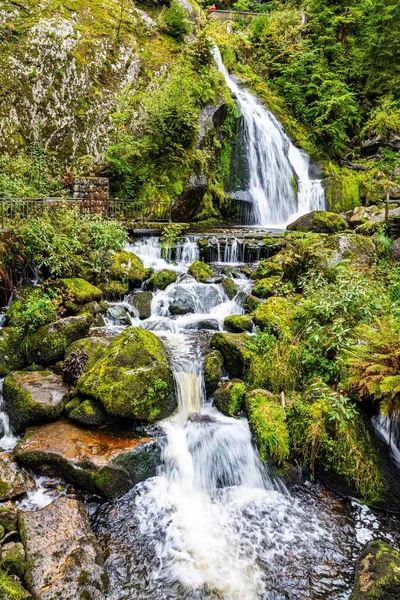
<point x="32" y="397"/>
<point x="233" y="347"/>
<point x="319" y="221"/>
<point x="133" y="379"/>
<point x="12" y="356"/>
<point x="49" y="342"/>
<point x="63" y="557"/>
<point x="127" y="267"/>
<point x="103" y="462"/>
<point x="12" y="480"/>
<point x="377" y="573"/>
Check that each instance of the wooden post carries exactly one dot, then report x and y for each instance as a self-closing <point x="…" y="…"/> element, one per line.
<point x="387" y="206"/>
<point x="282" y="396"/>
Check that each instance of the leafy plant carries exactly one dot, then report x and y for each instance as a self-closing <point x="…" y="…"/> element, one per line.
<point x="175" y="21"/>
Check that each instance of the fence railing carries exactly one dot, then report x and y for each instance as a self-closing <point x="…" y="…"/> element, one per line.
<point x="14" y="210"/>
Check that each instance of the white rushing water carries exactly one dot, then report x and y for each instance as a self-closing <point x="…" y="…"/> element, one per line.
<point x="389" y="431"/>
<point x="273" y="161"/>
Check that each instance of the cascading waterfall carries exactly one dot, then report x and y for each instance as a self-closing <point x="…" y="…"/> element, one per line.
<point x="273" y="162"/>
<point x="389" y="430"/>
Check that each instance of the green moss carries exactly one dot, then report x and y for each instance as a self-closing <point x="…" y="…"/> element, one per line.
<point x="11" y="589"/>
<point x="8" y="518"/>
<point x="49" y="342"/>
<point x="94" y="347"/>
<point x="342" y="188"/>
<point x="238" y="323"/>
<point x="319" y="221"/>
<point x="234" y="349"/>
<point x="267" y="287"/>
<point x="88" y="414"/>
<point x="12" y="354"/>
<point x="267" y="268"/>
<point x="230" y="288"/>
<point x="71" y="405"/>
<point x="133" y="379"/>
<point x="23" y="409"/>
<point x="13" y="559"/>
<point x="275" y="316"/>
<point x="114" y="290"/>
<point x="267" y="421"/>
<point x="162" y="279"/>
<point x="229" y="397"/>
<point x="127" y="267"/>
<point x="378" y="573"/>
<point x="200" y="271"/>
<point x="81" y="291"/>
<point x="142" y="303"/>
<point x="251" y="303"/>
<point x="213" y="364"/>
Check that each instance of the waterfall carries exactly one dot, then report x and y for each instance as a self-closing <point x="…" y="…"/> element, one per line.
<point x="7" y="440"/>
<point x="273" y="162"/>
<point x="388" y="427"/>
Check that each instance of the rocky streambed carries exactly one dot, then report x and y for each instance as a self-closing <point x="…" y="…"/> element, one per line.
<point x="129" y="409"/>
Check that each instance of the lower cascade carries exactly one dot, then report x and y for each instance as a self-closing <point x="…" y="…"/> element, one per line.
<point x="273" y="164"/>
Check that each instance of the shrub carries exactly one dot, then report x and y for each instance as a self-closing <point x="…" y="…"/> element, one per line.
<point x="175" y="21"/>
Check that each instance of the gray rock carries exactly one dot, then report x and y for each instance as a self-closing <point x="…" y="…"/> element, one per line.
<point x="49" y="342"/>
<point x="63" y="557"/>
<point x="119" y="315"/>
<point x="12" y="480"/>
<point x="395" y="251"/>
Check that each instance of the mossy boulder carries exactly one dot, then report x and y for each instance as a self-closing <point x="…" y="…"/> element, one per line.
<point x="267" y="268"/>
<point x="33" y="397"/>
<point x="71" y="405"/>
<point x="93" y="347"/>
<point x="142" y="302"/>
<point x="229" y="397"/>
<point x="133" y="379"/>
<point x="114" y="290"/>
<point x="358" y="249"/>
<point x="127" y="267"/>
<point x="213" y="364"/>
<point x="81" y="291"/>
<point x="234" y="349"/>
<point x="266" y="418"/>
<point x="378" y="573"/>
<point x="238" y="323"/>
<point x="200" y="271"/>
<point x="49" y="343"/>
<point x="319" y="221"/>
<point x="10" y="589"/>
<point x="230" y="288"/>
<point x="88" y="414"/>
<point x="250" y="303"/>
<point x="267" y="287"/>
<point x="102" y="461"/>
<point x="161" y="280"/>
<point x="13" y="559"/>
<point x="12" y="479"/>
<point x="12" y="354"/>
<point x="275" y="315"/>
<point x="8" y="517"/>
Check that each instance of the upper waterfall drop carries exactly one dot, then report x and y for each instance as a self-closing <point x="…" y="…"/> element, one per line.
<point x="273" y="161"/>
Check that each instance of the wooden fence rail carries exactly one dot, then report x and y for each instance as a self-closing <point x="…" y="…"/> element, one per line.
<point x="18" y="210"/>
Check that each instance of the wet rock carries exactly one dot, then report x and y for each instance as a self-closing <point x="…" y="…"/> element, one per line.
<point x="357" y="249"/>
<point x="114" y="290"/>
<point x="213" y="364"/>
<point x="196" y="298"/>
<point x="127" y="267"/>
<point x="133" y="378"/>
<point x="229" y="397"/>
<point x="103" y="462"/>
<point x="63" y="557"/>
<point x="88" y="414"/>
<point x="49" y="342"/>
<point x="119" y="315"/>
<point x="251" y="303"/>
<point x="204" y="325"/>
<point x="238" y="323"/>
<point x="32" y="397"/>
<point x="12" y="480"/>
<point x="81" y="291"/>
<point x="161" y="280"/>
<point x="13" y="559"/>
<point x="274" y="315"/>
<point x="395" y="251"/>
<point x="233" y="347"/>
<point x="142" y="303"/>
<point x="319" y="221"/>
<point x="12" y="355"/>
<point x="377" y="573"/>
<point x="200" y="271"/>
<point x="11" y="589"/>
<point x="230" y="288"/>
<point x="93" y="347"/>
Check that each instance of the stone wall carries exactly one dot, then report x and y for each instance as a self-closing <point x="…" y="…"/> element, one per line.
<point x="91" y="188"/>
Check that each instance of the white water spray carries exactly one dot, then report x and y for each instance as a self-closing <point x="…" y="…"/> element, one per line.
<point x="273" y="162"/>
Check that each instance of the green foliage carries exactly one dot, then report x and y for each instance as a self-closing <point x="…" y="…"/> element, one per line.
<point x="267" y="421"/>
<point x="384" y="118"/>
<point x="37" y="308"/>
<point x="175" y="21"/>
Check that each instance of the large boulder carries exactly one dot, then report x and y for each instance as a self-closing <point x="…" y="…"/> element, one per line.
<point x="357" y="249"/>
<point x="104" y="462"/>
<point x="93" y="347"/>
<point x="127" y="267"/>
<point x="88" y="413"/>
<point x="267" y="287"/>
<point x="49" y="342"/>
<point x="32" y="397"/>
<point x="161" y="280"/>
<point x="395" y="251"/>
<point x="319" y="221"/>
<point x="229" y="397"/>
<point x="81" y="291"/>
<point x="12" y="479"/>
<point x="234" y="349"/>
<point x="133" y="379"/>
<point x="274" y="315"/>
<point x="213" y="364"/>
<point x="63" y="557"/>
<point x="13" y="559"/>
<point x="200" y="271"/>
<point x="12" y="355"/>
<point x="238" y="323"/>
<point x="142" y="303"/>
<point x="229" y="288"/>
<point x="377" y="573"/>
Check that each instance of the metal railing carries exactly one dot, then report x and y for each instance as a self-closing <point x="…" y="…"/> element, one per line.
<point x="17" y="210"/>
